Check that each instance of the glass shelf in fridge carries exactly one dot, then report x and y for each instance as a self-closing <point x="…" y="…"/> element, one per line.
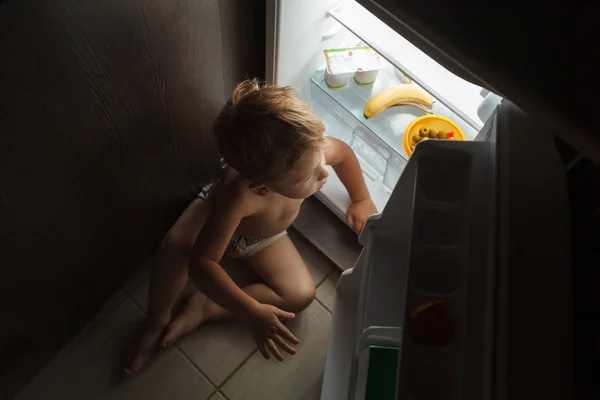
<point x="376" y="141"/>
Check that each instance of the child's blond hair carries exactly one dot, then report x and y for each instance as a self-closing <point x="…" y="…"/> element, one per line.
<point x="263" y="130"/>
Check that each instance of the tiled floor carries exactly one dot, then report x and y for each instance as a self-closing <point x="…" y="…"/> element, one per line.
<point x="218" y="362"/>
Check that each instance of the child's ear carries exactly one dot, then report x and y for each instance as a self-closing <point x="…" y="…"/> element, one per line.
<point x="259" y="189"/>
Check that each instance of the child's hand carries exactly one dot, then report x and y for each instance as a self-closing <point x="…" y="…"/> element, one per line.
<point x="268" y="331"/>
<point x="358" y="212"/>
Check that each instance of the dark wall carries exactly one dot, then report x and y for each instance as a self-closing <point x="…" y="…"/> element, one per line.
<point x="106" y="110"/>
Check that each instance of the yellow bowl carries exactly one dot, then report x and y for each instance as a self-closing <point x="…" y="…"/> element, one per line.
<point x="436" y="122"/>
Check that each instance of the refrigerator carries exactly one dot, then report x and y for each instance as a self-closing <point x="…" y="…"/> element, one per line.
<point x="462" y="290"/>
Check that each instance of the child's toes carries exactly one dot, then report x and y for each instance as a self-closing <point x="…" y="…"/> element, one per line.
<point x="170" y="336"/>
<point x="141" y="348"/>
<point x="167" y="342"/>
<point x="136" y="363"/>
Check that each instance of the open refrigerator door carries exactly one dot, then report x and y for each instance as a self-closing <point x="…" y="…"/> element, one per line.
<point x="413" y="318"/>
<point x="298" y="33"/>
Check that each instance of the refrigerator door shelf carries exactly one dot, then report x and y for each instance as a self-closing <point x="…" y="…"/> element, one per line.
<point x="432" y="243"/>
<point x="461" y="96"/>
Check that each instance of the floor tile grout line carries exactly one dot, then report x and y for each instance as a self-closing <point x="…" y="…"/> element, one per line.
<point x="196" y="367"/>
<point x="326" y="276"/>
<point x="137" y="304"/>
<point x="183" y="353"/>
<point x="324" y="306"/>
<point x="222" y="394"/>
<point x="136" y="289"/>
<point x="216" y="387"/>
<point x="236" y="369"/>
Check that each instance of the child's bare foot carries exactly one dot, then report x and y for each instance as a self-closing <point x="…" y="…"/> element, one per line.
<point x="194" y="313"/>
<point x="142" y="346"/>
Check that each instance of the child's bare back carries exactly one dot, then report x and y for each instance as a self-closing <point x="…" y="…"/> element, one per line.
<point x="277" y="155"/>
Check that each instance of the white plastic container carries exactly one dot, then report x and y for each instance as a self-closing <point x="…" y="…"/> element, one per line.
<point x="337" y="81"/>
<point x="363" y="62"/>
<point x="365" y="77"/>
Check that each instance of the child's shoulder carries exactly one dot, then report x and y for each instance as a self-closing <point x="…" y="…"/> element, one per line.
<point x="333" y="150"/>
<point x="232" y="192"/>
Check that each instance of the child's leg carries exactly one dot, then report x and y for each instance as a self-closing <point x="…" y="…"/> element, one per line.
<point x="167" y="280"/>
<point x="289" y="286"/>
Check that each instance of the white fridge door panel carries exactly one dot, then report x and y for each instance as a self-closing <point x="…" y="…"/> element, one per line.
<point x="297" y="33"/>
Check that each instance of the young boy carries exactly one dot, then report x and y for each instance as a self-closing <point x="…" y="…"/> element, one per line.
<point x="276" y="154"/>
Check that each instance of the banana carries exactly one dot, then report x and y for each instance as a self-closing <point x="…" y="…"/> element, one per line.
<point x="405" y="93"/>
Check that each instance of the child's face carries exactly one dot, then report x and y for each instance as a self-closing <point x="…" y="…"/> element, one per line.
<point x="305" y="179"/>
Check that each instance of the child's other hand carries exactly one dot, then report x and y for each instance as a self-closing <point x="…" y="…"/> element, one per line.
<point x="268" y="331"/>
<point x="358" y="212"/>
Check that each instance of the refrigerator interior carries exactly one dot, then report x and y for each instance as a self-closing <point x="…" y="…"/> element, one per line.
<point x="297" y="34"/>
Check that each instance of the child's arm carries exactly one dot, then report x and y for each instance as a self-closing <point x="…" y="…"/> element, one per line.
<point x="345" y="164"/>
<point x="210" y="245"/>
<point x="208" y="276"/>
